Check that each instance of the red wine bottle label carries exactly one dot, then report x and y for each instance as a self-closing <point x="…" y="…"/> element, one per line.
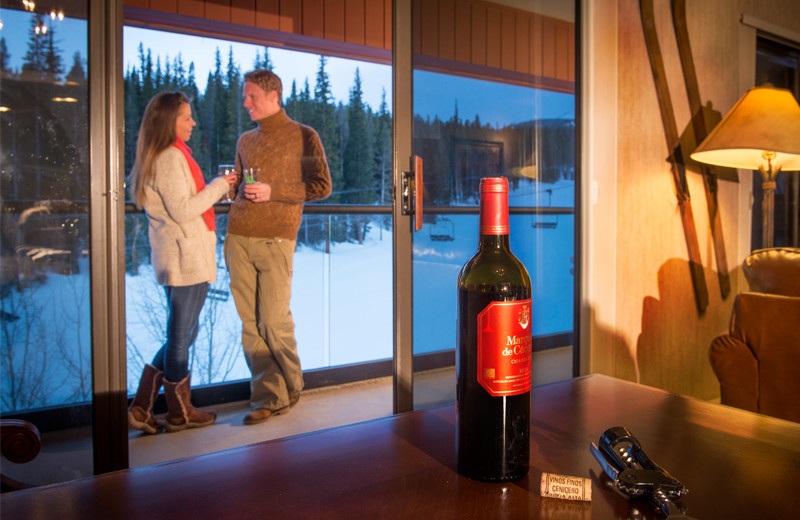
<point x="504" y="347"/>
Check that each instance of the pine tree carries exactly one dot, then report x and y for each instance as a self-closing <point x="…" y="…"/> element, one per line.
<point x="179" y="72"/>
<point x="167" y="80"/>
<point x="205" y="118"/>
<point x="291" y="102"/>
<point x="263" y="63"/>
<point x="5" y="58"/>
<point x="216" y="112"/>
<point x="382" y="125"/>
<point x="77" y="74"/>
<point x="232" y="112"/>
<point x="33" y="63"/>
<point x="148" y="86"/>
<point x="158" y="78"/>
<point x="197" y="141"/>
<point x="323" y="119"/>
<point x="359" y="177"/>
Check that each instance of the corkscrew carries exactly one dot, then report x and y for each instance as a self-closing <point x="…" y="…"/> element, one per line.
<point x="636" y="476"/>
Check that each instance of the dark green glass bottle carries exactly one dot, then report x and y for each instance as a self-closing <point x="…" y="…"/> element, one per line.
<point x="493" y="357"/>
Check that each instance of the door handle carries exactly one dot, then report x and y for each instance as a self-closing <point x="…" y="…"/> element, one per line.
<point x="411" y="192"/>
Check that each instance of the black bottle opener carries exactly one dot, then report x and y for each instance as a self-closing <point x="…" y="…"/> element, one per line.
<point x="633" y="473"/>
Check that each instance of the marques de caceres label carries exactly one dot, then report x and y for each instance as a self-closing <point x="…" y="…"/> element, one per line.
<point x="504" y="347"/>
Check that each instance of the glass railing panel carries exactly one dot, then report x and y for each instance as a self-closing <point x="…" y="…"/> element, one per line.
<point x="341" y="300"/>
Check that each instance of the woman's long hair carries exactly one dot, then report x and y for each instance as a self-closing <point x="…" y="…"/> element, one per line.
<point x="156" y="134"/>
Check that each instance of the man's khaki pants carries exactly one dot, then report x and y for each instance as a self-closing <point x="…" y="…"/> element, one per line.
<point x="261" y="283"/>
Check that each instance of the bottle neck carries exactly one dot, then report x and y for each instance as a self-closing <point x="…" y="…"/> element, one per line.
<point x="494" y="217"/>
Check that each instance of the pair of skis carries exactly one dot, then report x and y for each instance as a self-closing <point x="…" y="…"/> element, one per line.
<point x="678" y="157"/>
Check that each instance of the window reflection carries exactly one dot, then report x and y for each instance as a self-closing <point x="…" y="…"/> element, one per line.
<point x="478" y="128"/>
<point x="44" y="185"/>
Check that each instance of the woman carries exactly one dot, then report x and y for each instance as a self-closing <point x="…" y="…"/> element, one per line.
<point x="168" y="184"/>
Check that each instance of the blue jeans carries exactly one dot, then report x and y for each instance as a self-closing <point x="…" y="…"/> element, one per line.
<point x="184" y="304"/>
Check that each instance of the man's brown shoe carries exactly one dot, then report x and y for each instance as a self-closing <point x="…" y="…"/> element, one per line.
<point x="258" y="416"/>
<point x="262" y="414"/>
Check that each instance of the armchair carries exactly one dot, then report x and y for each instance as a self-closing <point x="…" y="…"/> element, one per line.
<point x="758" y="361"/>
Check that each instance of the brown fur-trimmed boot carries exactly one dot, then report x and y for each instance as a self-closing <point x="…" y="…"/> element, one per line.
<point x="140" y="413"/>
<point x="180" y="412"/>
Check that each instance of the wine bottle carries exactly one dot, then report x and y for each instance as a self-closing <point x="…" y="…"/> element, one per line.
<point x="493" y="360"/>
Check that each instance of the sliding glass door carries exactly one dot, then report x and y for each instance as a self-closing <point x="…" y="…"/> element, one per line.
<point x="493" y="95"/>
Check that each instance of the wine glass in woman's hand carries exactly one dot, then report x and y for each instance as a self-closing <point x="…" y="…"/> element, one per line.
<point x="229" y="171"/>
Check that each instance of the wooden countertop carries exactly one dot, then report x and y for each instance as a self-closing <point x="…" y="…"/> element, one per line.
<point x="736" y="465"/>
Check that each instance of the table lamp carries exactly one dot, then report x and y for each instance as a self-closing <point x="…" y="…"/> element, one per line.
<point x="761" y="132"/>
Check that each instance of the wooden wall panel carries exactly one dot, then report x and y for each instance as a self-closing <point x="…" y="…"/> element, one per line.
<point x="291" y="16"/>
<point x="548" y="49"/>
<point x="478" y="44"/>
<point x="494" y="38"/>
<point x="428" y="27"/>
<point x="218" y="10"/>
<point x="462" y="36"/>
<point x="566" y="39"/>
<point x="522" y="60"/>
<point x="191" y="8"/>
<point x="168" y="6"/>
<point x="507" y="58"/>
<point x="463" y="25"/>
<point x="416" y="24"/>
<point x="447" y="37"/>
<point x="242" y="12"/>
<point x="313" y="18"/>
<point x="373" y="23"/>
<point x="562" y="51"/>
<point x="267" y="14"/>
<point x="334" y="20"/>
<point x="388" y="14"/>
<point x="354" y="21"/>
<point x="536" y="45"/>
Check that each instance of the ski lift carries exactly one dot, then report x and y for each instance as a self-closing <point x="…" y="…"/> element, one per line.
<point x="442" y="230"/>
<point x="546" y="221"/>
<point x="220" y="295"/>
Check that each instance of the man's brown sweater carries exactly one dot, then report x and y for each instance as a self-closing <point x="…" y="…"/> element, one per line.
<point x="292" y="162"/>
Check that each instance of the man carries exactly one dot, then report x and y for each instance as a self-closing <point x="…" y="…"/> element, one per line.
<point x="289" y="167"/>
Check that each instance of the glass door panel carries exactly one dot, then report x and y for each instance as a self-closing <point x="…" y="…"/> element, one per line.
<point x="494" y="95"/>
<point x="342" y="283"/>
<point x="46" y="370"/>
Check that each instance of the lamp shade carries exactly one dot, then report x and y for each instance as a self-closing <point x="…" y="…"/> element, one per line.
<point x="765" y="119"/>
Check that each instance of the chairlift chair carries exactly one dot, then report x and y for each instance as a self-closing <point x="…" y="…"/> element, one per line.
<point x="442" y="230"/>
<point x="546" y="221"/>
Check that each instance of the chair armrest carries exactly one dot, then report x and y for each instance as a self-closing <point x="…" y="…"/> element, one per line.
<point x="737" y="370"/>
<point x="21" y="443"/>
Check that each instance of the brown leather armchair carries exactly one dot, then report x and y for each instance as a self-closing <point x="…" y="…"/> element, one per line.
<point x="758" y="361"/>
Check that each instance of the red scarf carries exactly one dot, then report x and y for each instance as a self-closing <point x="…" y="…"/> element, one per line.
<point x="199" y="182"/>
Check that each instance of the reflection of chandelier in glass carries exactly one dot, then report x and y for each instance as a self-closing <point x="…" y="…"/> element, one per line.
<point x="41" y="28"/>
